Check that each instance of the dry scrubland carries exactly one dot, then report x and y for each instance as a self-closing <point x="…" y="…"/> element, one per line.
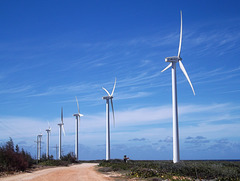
<point x="166" y="170"/>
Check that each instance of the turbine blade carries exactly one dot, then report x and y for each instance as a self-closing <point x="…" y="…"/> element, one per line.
<point x="106" y="91"/>
<point x="186" y="75"/>
<point x="114" y="86"/>
<point x="167" y="67"/>
<point x="180" y="40"/>
<point x="62" y="114"/>
<point x="77" y="105"/>
<point x="113" y="113"/>
<point x="80" y="115"/>
<point x="63" y="130"/>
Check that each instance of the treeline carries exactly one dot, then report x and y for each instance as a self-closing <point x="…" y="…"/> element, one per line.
<point x="14" y="159"/>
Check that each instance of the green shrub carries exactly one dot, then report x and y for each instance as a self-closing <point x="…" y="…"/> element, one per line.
<point x="65" y="160"/>
<point x="70" y="158"/>
<point x="144" y="172"/>
<point x="54" y="163"/>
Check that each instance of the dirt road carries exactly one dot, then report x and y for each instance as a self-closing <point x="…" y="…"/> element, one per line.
<point x="82" y="172"/>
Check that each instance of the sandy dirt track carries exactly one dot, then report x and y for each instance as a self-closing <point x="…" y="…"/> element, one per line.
<point x="82" y="172"/>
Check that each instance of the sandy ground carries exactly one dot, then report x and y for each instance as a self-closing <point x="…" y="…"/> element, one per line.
<point x="82" y="172"/>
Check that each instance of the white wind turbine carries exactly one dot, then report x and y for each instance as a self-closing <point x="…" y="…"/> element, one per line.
<point x="61" y="128"/>
<point x="48" y="132"/>
<point x="37" y="147"/>
<point x="173" y="60"/>
<point x="78" y="115"/>
<point x="39" y="141"/>
<point x="110" y="96"/>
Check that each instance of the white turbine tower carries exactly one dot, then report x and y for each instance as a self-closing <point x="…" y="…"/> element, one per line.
<point x="48" y="132"/>
<point x="37" y="147"/>
<point x="78" y="115"/>
<point x="39" y="141"/>
<point x="61" y="128"/>
<point x="110" y="96"/>
<point x="173" y="60"/>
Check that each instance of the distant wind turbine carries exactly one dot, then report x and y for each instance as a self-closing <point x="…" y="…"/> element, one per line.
<point x="56" y="147"/>
<point x="78" y="115"/>
<point x="173" y="60"/>
<point x="39" y="140"/>
<point x="48" y="132"/>
<point x="61" y="128"/>
<point x="37" y="147"/>
<point x="110" y="96"/>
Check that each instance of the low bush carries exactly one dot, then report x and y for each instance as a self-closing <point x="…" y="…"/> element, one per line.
<point x="65" y="160"/>
<point x="54" y="163"/>
<point x="70" y="158"/>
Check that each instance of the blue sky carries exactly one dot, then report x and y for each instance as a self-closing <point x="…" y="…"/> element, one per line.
<point x="52" y="51"/>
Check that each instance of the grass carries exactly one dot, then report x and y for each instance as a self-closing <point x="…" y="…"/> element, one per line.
<point x="185" y="170"/>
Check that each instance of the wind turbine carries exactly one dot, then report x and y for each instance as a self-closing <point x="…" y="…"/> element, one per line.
<point x="37" y="147"/>
<point x="173" y="60"/>
<point x="61" y="128"/>
<point x="48" y="132"/>
<point x="109" y="96"/>
<point x="78" y="115"/>
<point x="39" y="140"/>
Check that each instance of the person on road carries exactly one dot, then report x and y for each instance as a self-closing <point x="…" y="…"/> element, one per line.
<point x="125" y="158"/>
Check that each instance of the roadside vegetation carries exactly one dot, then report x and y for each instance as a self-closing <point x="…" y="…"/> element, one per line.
<point x="166" y="170"/>
<point x="65" y="160"/>
<point x="12" y="159"/>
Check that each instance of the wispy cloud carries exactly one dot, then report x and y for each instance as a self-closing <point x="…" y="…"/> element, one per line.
<point x="198" y="140"/>
<point x="216" y="42"/>
<point x="15" y="90"/>
<point x="168" y="139"/>
<point x="137" y="139"/>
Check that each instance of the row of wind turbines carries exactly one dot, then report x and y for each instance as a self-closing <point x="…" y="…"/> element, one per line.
<point x="78" y="115"/>
<point x="61" y="130"/>
<point x="109" y="100"/>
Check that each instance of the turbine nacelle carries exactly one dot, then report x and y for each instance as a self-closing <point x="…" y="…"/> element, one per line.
<point x="80" y="115"/>
<point x="107" y="97"/>
<point x="49" y="128"/>
<point x="173" y="59"/>
<point x="40" y="135"/>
